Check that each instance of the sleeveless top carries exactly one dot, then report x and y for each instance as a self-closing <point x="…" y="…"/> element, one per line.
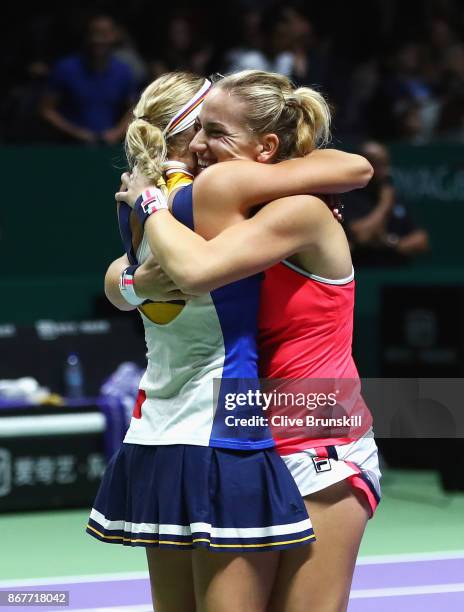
<point x="305" y="332"/>
<point x="198" y="362"/>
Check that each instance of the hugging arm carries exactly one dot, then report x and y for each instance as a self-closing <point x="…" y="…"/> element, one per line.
<point x="243" y="184"/>
<point x="196" y="265"/>
<point x="248" y="183"/>
<point x="112" y="283"/>
<point x="278" y="230"/>
<point x="150" y="282"/>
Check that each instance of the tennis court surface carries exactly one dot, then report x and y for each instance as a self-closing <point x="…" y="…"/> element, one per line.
<point x="412" y="558"/>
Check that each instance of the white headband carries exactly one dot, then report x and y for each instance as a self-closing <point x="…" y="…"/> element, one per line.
<point x="185" y="118"/>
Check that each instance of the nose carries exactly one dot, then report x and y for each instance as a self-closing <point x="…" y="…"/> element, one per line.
<point x="198" y="142"/>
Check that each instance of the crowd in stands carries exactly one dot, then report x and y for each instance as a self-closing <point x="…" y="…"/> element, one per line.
<point x="392" y="70"/>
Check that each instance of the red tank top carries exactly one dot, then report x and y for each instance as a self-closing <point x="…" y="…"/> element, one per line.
<point x="305" y="332"/>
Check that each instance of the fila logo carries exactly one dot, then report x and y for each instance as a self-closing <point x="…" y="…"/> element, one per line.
<point x="322" y="464"/>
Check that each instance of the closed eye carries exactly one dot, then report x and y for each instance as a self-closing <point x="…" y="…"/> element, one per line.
<point x="215" y="133"/>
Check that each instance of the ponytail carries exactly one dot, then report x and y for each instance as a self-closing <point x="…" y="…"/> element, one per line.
<point x="313" y="120"/>
<point x="145" y="148"/>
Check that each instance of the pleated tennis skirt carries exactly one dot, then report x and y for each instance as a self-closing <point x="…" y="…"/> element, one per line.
<point x="186" y="497"/>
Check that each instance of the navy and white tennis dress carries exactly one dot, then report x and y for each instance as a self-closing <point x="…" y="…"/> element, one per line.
<point x="183" y="477"/>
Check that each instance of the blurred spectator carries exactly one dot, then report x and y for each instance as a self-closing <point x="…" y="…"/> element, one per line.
<point x="26" y="66"/>
<point x="451" y="119"/>
<point x="410" y="126"/>
<point x="405" y="102"/>
<point x="362" y="85"/>
<point x="182" y="51"/>
<point x="126" y="51"/>
<point x="89" y="93"/>
<point x="248" y="52"/>
<point x="395" y="73"/>
<point x="440" y="39"/>
<point x="269" y="51"/>
<point x="379" y="227"/>
<point x="310" y="61"/>
<point x="22" y="122"/>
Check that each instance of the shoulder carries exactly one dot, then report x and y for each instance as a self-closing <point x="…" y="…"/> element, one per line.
<point x="224" y="184"/>
<point x="217" y="177"/>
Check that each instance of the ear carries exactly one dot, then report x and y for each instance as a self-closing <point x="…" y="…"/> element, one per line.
<point x="267" y="148"/>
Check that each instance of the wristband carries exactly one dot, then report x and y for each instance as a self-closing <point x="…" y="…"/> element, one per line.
<point x="126" y="286"/>
<point x="150" y="201"/>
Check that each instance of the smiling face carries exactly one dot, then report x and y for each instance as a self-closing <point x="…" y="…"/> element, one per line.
<point x="222" y="133"/>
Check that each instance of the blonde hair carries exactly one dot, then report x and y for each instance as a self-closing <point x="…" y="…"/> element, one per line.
<point x="299" y="117"/>
<point x="145" y="143"/>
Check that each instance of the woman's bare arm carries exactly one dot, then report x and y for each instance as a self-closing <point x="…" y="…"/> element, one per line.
<point x="112" y="284"/>
<point x="245" y="184"/>
<point x="277" y="231"/>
